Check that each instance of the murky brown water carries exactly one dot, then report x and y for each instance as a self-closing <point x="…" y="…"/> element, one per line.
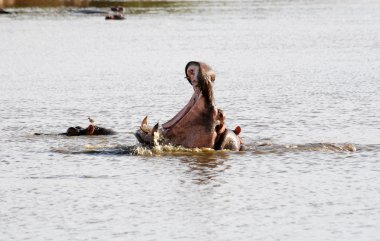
<point x="300" y="77"/>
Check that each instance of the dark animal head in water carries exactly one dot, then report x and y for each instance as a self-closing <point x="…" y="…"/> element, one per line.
<point x="117" y="9"/>
<point x="74" y="131"/>
<point x="90" y="130"/>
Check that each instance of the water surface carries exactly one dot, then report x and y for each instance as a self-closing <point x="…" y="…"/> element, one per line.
<point x="300" y="77"/>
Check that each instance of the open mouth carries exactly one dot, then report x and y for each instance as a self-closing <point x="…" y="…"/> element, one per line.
<point x="180" y="115"/>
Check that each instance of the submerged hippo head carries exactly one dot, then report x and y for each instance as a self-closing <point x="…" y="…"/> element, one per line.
<point x="74" y="131"/>
<point x="90" y="130"/>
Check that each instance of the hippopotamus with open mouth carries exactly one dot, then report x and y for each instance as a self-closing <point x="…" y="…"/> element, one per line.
<point x="199" y="123"/>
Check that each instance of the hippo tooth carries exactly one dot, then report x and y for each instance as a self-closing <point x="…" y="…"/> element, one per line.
<point x="144" y="125"/>
<point x="155" y="134"/>
<point x="155" y="128"/>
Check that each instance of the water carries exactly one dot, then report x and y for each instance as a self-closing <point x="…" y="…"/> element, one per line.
<point x="300" y="77"/>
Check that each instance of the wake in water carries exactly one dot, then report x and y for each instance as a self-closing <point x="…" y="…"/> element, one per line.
<point x="259" y="147"/>
<point x="269" y="147"/>
<point x="139" y="150"/>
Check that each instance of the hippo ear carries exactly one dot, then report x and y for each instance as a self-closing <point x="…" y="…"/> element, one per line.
<point x="237" y="130"/>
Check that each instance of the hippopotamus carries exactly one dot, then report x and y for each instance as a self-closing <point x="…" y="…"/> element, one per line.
<point x="90" y="130"/>
<point x="116" y="14"/>
<point x="200" y="123"/>
<point x="117" y="9"/>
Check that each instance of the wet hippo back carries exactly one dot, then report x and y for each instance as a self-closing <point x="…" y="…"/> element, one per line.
<point x="103" y="131"/>
<point x="80" y="131"/>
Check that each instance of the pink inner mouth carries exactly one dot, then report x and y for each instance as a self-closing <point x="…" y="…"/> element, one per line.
<point x="182" y="113"/>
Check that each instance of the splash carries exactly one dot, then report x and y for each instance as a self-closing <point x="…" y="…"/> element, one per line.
<point x="257" y="147"/>
<point x="138" y="150"/>
<point x="160" y="150"/>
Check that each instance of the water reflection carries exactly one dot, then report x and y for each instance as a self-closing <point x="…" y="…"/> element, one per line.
<point x="205" y="169"/>
<point x="203" y="166"/>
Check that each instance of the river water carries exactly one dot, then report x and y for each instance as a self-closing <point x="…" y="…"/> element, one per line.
<point x="300" y="77"/>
